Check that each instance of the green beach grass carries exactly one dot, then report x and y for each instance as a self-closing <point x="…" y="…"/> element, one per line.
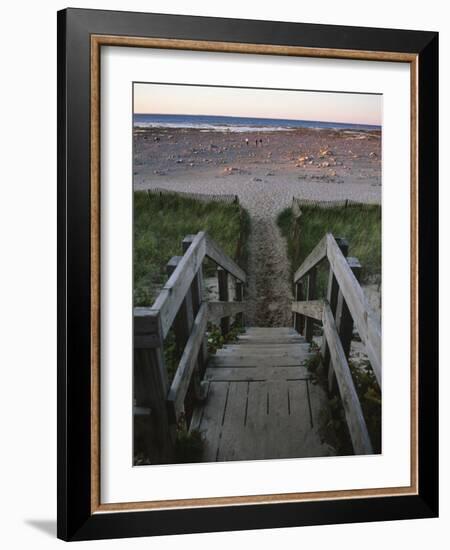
<point x="359" y="224"/>
<point x="161" y="223"/>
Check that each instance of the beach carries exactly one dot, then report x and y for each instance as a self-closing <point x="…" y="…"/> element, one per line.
<point x="265" y="168"/>
<point x="265" y="172"/>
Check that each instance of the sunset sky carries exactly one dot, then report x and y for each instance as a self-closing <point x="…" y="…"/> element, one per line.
<point x="246" y="102"/>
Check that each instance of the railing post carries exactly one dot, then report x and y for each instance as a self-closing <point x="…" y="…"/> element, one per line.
<point x="185" y="316"/>
<point x="222" y="277"/>
<point x="332" y="296"/>
<point x="310" y="295"/>
<point x="299" y="320"/>
<point x="239" y="296"/>
<point x="152" y="431"/>
<point x="344" y="321"/>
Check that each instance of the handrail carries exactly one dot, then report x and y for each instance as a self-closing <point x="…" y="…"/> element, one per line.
<point x="318" y="254"/>
<point x="364" y="318"/>
<point x="350" y="401"/>
<point x="215" y="253"/>
<point x="346" y="306"/>
<point x="183" y="374"/>
<point x="172" y="294"/>
<point x="182" y="298"/>
<point x="218" y="310"/>
<point x="309" y="308"/>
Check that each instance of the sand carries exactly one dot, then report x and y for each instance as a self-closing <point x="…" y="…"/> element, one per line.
<point x="265" y="174"/>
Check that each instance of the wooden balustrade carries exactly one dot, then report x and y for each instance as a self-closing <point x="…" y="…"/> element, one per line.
<point x="180" y="305"/>
<point x="344" y="308"/>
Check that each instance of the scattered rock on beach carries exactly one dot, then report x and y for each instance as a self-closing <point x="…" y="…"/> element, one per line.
<point x="325" y="152"/>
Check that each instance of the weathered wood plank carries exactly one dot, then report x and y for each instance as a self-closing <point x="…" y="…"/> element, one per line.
<point x="147" y="334"/>
<point x="255" y="360"/>
<point x="299" y="319"/>
<point x="316" y="256"/>
<point x="352" y="407"/>
<point x="270" y="331"/>
<point x="217" y="310"/>
<point x="265" y="348"/>
<point x="265" y="355"/>
<point x="332" y="296"/>
<point x="222" y="280"/>
<point x="232" y="440"/>
<point x="147" y="330"/>
<point x="239" y="297"/>
<point x="277" y="351"/>
<point x="174" y="291"/>
<point x="180" y="383"/>
<point x="269" y="341"/>
<point x="256" y="420"/>
<point x="311" y="308"/>
<point x="241" y="374"/>
<point x="149" y="389"/>
<point x="365" y="319"/>
<point x="275" y="442"/>
<point x="310" y="295"/>
<point x="184" y="320"/>
<point x="185" y="316"/>
<point x="209" y="421"/>
<point x="214" y="252"/>
<point x="344" y="321"/>
<point x="197" y="289"/>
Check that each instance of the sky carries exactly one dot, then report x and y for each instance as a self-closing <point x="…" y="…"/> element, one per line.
<point x="248" y="102"/>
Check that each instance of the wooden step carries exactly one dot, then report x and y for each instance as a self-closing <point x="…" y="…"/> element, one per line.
<point x="245" y="374"/>
<point x="274" y="340"/>
<point x="264" y="351"/>
<point x="271" y="330"/>
<point x="255" y="419"/>
<point x="256" y="360"/>
<point x="262" y="402"/>
<point x="266" y="348"/>
<point x="284" y="338"/>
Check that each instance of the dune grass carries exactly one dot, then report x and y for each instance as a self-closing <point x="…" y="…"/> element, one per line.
<point x="161" y="223"/>
<point x="360" y="225"/>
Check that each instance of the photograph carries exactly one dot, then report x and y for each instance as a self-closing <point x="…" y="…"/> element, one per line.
<point x="257" y="273"/>
<point x="247" y="273"/>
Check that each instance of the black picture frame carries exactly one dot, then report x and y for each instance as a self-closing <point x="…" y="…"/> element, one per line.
<point x="75" y="518"/>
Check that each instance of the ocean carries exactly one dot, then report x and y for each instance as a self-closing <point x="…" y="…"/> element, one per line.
<point x="207" y="123"/>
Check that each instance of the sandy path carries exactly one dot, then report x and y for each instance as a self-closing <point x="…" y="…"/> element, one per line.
<point x="269" y="291"/>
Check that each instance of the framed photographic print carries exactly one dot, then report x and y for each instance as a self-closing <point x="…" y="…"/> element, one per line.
<point x="247" y="274"/>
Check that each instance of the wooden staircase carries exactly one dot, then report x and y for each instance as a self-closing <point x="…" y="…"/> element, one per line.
<point x="261" y="402"/>
<point x="254" y="399"/>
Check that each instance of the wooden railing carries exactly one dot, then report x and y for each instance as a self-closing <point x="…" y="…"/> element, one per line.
<point x="345" y="306"/>
<point x="180" y="305"/>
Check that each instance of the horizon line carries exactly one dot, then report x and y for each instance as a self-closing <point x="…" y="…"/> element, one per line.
<point x="262" y="118"/>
